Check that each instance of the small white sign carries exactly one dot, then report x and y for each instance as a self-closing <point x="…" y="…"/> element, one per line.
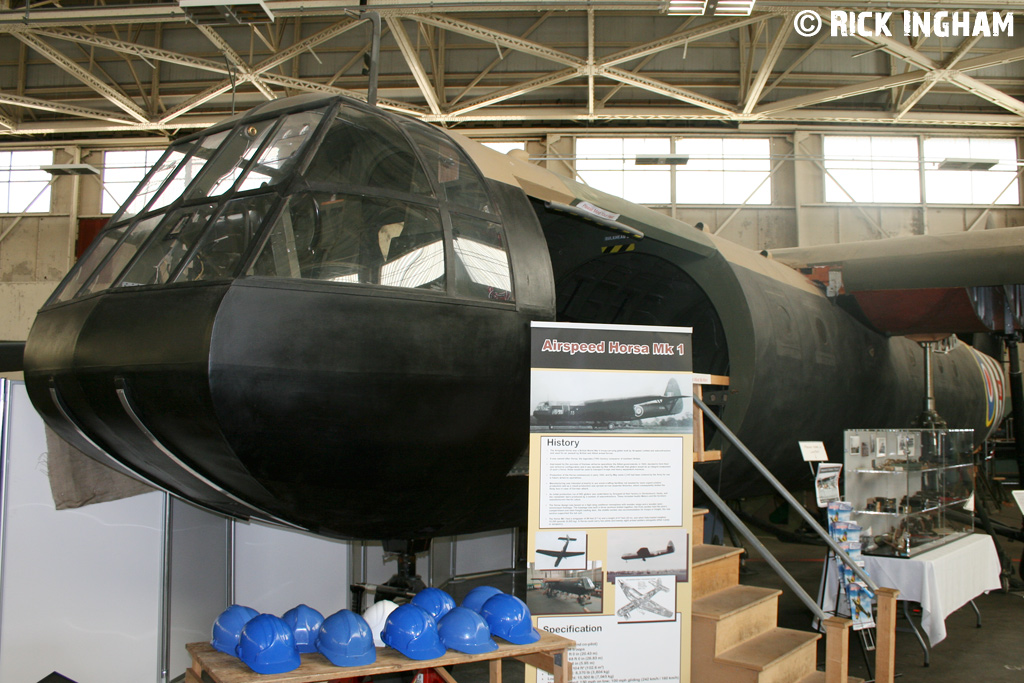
<point x="598" y="211"/>
<point x="1019" y="497"/>
<point x="813" y="451"/>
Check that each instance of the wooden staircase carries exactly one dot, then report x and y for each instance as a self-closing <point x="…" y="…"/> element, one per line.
<point x="735" y="638"/>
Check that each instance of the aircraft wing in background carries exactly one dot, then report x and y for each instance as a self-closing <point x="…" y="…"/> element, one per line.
<point x="923" y="284"/>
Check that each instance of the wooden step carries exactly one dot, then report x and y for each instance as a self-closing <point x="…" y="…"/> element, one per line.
<point x="780" y="655"/>
<point x="714" y="567"/>
<point x="698" y="525"/>
<point x="819" y="677"/>
<point x="731" y="616"/>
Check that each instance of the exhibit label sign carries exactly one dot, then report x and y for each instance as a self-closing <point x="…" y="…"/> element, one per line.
<point x="611" y="508"/>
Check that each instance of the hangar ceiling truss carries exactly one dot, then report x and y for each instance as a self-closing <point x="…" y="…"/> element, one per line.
<point x="79" y="67"/>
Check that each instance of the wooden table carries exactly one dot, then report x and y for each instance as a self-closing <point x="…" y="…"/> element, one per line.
<point x="549" y="654"/>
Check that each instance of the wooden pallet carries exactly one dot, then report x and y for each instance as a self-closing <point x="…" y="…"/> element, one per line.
<point x="548" y="654"/>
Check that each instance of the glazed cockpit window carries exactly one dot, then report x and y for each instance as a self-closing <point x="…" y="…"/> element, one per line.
<point x="355" y="239"/>
<point x="155" y="181"/>
<point x="122" y="254"/>
<point x="279" y="155"/>
<point x="171" y="242"/>
<point x="229" y="163"/>
<point x="451" y="169"/>
<point x="366" y="151"/>
<point x="481" y="259"/>
<point x="227" y="240"/>
<point x="188" y="171"/>
<point x="92" y="259"/>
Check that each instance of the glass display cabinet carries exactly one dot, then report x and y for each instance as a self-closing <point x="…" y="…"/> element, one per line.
<point x="904" y="482"/>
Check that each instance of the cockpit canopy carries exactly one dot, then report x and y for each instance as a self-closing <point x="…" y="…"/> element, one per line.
<point x="326" y="190"/>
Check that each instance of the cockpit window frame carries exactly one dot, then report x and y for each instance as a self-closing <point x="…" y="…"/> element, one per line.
<point x="293" y="183"/>
<point x="183" y="200"/>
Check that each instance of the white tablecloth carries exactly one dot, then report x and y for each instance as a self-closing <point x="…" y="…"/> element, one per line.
<point x="943" y="580"/>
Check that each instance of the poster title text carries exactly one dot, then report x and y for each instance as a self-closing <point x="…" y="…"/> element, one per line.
<point x="613" y="347"/>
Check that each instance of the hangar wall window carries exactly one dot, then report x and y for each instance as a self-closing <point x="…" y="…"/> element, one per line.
<point x="505" y="147"/>
<point x="23" y="187"/>
<point x="872" y="169"/>
<point x="609" y="165"/>
<point x="718" y="171"/>
<point x="122" y="170"/>
<point x="996" y="185"/>
<point x="724" y="171"/>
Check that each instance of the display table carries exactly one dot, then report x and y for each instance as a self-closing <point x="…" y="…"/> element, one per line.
<point x="942" y="580"/>
<point x="548" y="654"/>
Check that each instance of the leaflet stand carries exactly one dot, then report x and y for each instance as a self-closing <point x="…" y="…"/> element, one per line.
<point x="866" y="635"/>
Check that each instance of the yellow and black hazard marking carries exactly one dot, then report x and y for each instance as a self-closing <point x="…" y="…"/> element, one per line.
<point x="618" y="248"/>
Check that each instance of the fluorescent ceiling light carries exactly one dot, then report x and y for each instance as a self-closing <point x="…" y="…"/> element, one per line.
<point x="226" y="12"/>
<point x="734" y="8"/>
<point x="967" y="164"/>
<point x="690" y="7"/>
<point x="661" y="159"/>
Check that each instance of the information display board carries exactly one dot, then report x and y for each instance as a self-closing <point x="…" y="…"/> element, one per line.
<point x="611" y="505"/>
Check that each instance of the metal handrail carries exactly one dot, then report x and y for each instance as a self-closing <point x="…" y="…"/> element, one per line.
<point x="793" y="503"/>
<point x="745" y="531"/>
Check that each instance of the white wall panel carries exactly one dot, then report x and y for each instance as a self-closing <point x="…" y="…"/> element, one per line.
<point x="483" y="552"/>
<point x="276" y="569"/>
<point x="81" y="588"/>
<point x="199" y="581"/>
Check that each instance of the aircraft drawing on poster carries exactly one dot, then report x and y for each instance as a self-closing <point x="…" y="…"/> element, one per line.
<point x="651" y="598"/>
<point x="569" y="401"/>
<point x="571" y="555"/>
<point x="648" y="552"/>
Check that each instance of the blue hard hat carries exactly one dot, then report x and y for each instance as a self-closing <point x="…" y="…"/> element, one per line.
<point x="412" y="631"/>
<point x="345" y="639"/>
<point x="476" y="598"/>
<point x="466" y="631"/>
<point x="228" y="627"/>
<point x="435" y="601"/>
<point x="304" y="622"/>
<point x="267" y="645"/>
<point x="509" y="618"/>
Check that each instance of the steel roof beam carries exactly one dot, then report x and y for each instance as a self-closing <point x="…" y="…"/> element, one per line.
<point x="966" y="45"/>
<point x="486" y="70"/>
<point x="770" y="59"/>
<point x="134" y="49"/>
<point x="194" y="101"/>
<point x="921" y="61"/>
<point x="412" y="58"/>
<point x="113" y="94"/>
<point x="60" y="108"/>
<point x="843" y="92"/>
<point x="662" y="88"/>
<point x="712" y="28"/>
<point x="282" y="56"/>
<point x="499" y="38"/>
<point x="243" y="69"/>
<point x="516" y="90"/>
